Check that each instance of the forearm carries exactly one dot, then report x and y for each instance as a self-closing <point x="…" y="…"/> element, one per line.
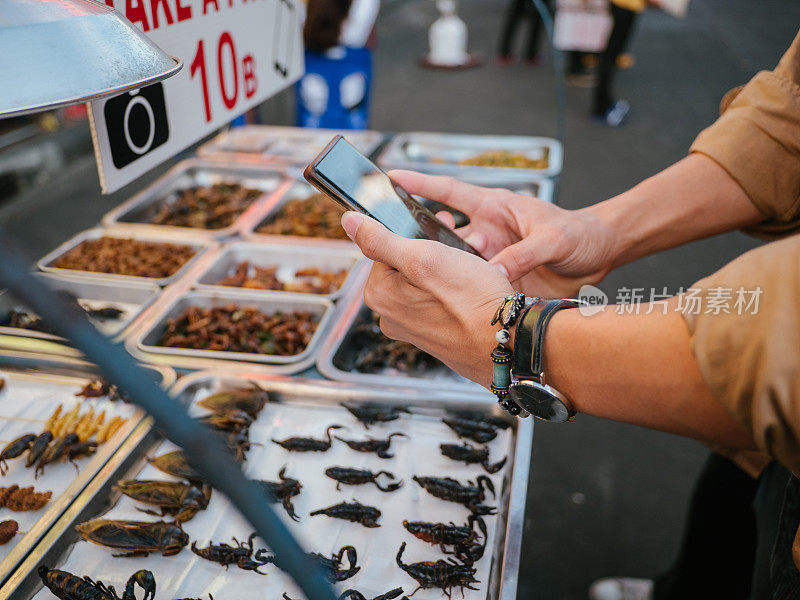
<point x="692" y="199"/>
<point x="636" y="369"/>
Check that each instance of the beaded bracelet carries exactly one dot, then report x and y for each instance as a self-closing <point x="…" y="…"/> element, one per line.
<point x="501" y="356"/>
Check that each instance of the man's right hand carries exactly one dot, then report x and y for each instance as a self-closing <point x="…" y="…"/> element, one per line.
<point x="545" y="250"/>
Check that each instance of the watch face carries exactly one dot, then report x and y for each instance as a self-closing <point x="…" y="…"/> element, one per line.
<point x="541" y="401"/>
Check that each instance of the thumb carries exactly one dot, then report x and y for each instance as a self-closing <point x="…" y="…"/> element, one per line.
<point x="519" y="259"/>
<point x="376" y="242"/>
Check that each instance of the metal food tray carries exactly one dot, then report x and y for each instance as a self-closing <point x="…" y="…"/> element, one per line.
<point x="299" y="191"/>
<point x="305" y="408"/>
<point x="132" y="297"/>
<point x="137" y="212"/>
<point x="200" y="246"/>
<point x="289" y="258"/>
<point x="273" y="144"/>
<point x="43" y="382"/>
<point x="146" y="339"/>
<point x="422" y="150"/>
<point x="337" y="354"/>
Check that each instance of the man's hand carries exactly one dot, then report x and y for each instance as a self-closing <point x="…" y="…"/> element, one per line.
<point x="545" y="250"/>
<point x="440" y="299"/>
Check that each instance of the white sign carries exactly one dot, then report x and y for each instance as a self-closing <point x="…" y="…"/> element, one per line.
<point x="236" y="54"/>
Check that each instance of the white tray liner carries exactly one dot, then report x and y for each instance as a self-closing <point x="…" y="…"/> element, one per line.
<point x="186" y="575"/>
<point x="19" y="417"/>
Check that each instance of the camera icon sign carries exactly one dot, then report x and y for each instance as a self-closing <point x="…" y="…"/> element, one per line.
<point x="136" y="123"/>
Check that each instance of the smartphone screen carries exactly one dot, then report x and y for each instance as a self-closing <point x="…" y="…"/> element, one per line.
<point x="361" y="185"/>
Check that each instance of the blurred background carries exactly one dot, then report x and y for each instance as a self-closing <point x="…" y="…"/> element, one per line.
<point x="604" y="498"/>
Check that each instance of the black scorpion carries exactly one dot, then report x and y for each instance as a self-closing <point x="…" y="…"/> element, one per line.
<point x="352" y="511"/>
<point x="471" y="455"/>
<point x="352" y="594"/>
<point x="445" y="574"/>
<point x="358" y="477"/>
<point x="471" y="495"/>
<point x="475" y="430"/>
<point x="379" y="447"/>
<point x="67" y="586"/>
<point x="308" y="444"/>
<point x="463" y="538"/>
<point x="369" y="414"/>
<point x="283" y="491"/>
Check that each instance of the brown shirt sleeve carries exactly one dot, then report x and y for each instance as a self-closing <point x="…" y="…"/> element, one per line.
<point x="750" y="355"/>
<point x="757" y="141"/>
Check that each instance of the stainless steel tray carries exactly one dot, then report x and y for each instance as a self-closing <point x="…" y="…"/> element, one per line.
<point x="304" y="407"/>
<point x="132" y="297"/>
<point x="137" y="212"/>
<point x="338" y="352"/>
<point x="45" y="263"/>
<point x="35" y="385"/>
<point x="440" y="153"/>
<point x="147" y="339"/>
<point x="300" y="190"/>
<point x="289" y="258"/>
<point x="272" y="144"/>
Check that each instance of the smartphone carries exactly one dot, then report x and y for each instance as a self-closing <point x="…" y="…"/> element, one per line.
<point x="354" y="181"/>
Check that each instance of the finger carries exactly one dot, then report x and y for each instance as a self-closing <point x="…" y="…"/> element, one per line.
<point x="383" y="286"/>
<point x="463" y="196"/>
<point x="375" y="241"/>
<point x="476" y="239"/>
<point x="447" y="218"/>
<point x="518" y="259"/>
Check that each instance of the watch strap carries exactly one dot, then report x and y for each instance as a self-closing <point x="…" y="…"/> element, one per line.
<point x="552" y="307"/>
<point x="529" y="340"/>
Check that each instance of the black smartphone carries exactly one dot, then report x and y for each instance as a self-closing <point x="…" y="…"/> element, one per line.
<point x="343" y="173"/>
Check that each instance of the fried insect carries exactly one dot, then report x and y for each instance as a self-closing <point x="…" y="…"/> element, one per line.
<point x="369" y="414"/>
<point x="332" y="566"/>
<point x="240" y="555"/>
<point x="58" y="450"/>
<point x="39" y="445"/>
<point x="470" y="495"/>
<point x="135" y="538"/>
<point x="352" y="594"/>
<point x="471" y="455"/>
<point x="250" y="400"/>
<point x="350" y="476"/>
<point x="181" y="500"/>
<point x="352" y="511"/>
<point x="97" y="388"/>
<point x="445" y="574"/>
<point x="283" y="491"/>
<point x="463" y="538"/>
<point x="231" y="420"/>
<point x="8" y="529"/>
<point x="175" y="463"/>
<point x="21" y="499"/>
<point x="14" y="449"/>
<point x="379" y="447"/>
<point x="67" y="586"/>
<point x="103" y="313"/>
<point x="81" y="450"/>
<point x="2" y="384"/>
<point x="474" y="430"/>
<point x="308" y="444"/>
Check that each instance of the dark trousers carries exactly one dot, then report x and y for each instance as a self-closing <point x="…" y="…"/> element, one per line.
<point x="617" y="41"/>
<point x="518" y="11"/>
<point x="717" y="555"/>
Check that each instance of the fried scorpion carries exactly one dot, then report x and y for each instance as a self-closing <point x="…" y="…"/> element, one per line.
<point x="67" y="586"/>
<point x="474" y="430"/>
<point x="307" y="444"/>
<point x="283" y="491"/>
<point x="358" y="477"/>
<point x="463" y="538"/>
<point x="369" y="414"/>
<point x="332" y="566"/>
<point x="137" y="538"/>
<point x="352" y="594"/>
<point x="471" y="495"/>
<point x="471" y="455"/>
<point x="240" y="555"/>
<point x="181" y="500"/>
<point x="379" y="447"/>
<point x="352" y="511"/>
<point x="445" y="574"/>
<point x="14" y="449"/>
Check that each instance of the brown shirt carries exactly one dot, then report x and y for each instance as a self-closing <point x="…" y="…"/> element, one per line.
<point x="751" y="361"/>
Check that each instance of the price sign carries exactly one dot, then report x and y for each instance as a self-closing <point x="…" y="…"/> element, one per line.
<point x="236" y="54"/>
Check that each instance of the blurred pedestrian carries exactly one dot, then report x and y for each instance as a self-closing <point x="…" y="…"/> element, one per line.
<point x="517" y="13"/>
<point x="335" y="91"/>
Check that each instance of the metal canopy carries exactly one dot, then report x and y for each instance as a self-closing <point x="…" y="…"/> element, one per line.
<point x="55" y="53"/>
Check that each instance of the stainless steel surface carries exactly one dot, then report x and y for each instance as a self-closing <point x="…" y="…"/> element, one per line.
<point x="47" y="381"/>
<point x="137" y="212"/>
<point x="45" y="263"/>
<point x="132" y="297"/>
<point x="440" y="153"/>
<point x="502" y="557"/>
<point x="338" y="352"/>
<point x="274" y="144"/>
<point x="59" y="52"/>
<point x="147" y="340"/>
<point x="289" y="258"/>
<point x="300" y="190"/>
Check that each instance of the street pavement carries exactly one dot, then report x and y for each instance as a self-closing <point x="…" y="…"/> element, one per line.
<point x="604" y="498"/>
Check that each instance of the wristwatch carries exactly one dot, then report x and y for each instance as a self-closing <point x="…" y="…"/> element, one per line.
<point x="528" y="388"/>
